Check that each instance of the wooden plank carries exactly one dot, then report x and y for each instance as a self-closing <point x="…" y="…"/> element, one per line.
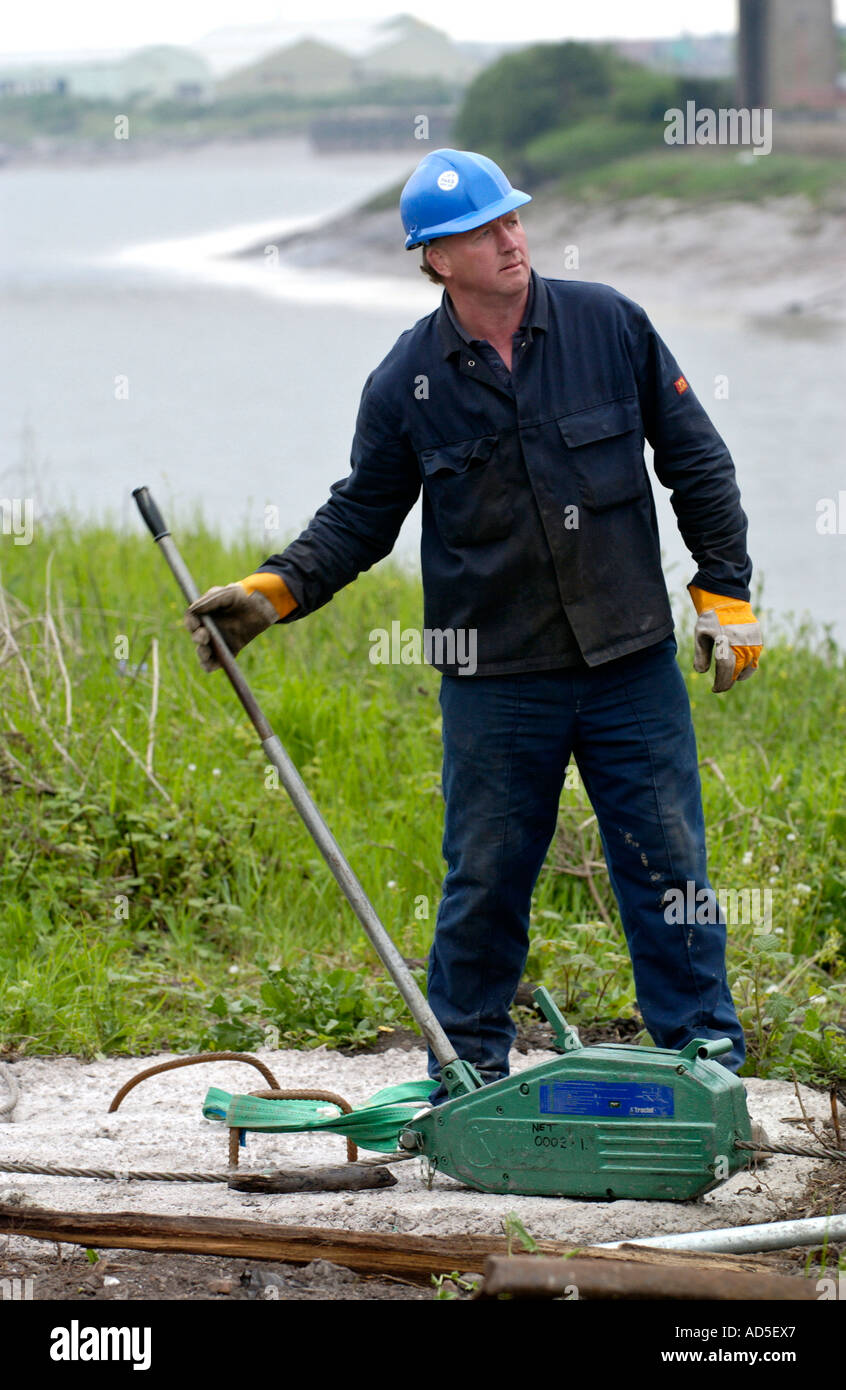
<point x="368" y="1252"/>
<point x="533" y="1277"/>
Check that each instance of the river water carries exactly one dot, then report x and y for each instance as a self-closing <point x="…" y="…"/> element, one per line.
<point x="135" y="350"/>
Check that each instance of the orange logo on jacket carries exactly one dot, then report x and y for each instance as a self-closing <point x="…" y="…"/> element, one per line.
<point x="680" y="385"/>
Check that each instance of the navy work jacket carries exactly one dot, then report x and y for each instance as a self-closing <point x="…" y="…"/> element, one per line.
<point x="539" y="528"/>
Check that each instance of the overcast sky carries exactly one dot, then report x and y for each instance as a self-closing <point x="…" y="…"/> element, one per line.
<point x="42" y="25"/>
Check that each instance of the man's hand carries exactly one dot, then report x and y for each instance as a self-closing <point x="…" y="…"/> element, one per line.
<point x="239" y="615"/>
<point x="729" y="628"/>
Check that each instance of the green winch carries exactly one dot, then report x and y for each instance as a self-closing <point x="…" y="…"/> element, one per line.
<point x="608" y="1121"/>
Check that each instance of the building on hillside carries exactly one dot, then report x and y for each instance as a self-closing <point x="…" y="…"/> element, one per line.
<point x="31" y="79"/>
<point x="305" y="68"/>
<point x="162" y="72"/>
<point x="235" y="47"/>
<point x="165" y="73"/>
<point x="707" y="55"/>
<point x="414" y="49"/>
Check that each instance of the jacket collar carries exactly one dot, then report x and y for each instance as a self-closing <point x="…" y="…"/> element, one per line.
<point x="453" y="336"/>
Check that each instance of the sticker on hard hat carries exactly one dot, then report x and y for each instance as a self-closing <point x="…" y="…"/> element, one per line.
<point x="448" y="179"/>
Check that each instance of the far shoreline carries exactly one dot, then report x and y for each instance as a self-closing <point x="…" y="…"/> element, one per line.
<point x="777" y="259"/>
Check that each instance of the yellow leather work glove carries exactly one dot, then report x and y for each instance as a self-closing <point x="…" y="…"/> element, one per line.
<point x="241" y="610"/>
<point x="273" y="586"/>
<point x="729" y="628"/>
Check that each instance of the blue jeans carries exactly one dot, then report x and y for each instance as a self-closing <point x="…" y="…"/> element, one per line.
<point x="507" y="742"/>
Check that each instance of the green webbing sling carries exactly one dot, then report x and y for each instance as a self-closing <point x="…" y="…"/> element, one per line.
<point x="374" y="1125"/>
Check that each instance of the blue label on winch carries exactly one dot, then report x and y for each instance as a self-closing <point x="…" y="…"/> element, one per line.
<point x="604" y="1098"/>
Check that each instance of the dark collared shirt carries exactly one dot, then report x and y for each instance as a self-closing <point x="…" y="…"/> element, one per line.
<point x="539" y="529"/>
<point x="563" y="638"/>
<point x="520" y="338"/>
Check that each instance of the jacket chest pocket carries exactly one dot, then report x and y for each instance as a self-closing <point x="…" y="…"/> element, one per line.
<point x="467" y="491"/>
<point x="605" y="452"/>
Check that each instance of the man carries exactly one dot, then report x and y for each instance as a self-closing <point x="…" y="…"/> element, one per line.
<point x="521" y="406"/>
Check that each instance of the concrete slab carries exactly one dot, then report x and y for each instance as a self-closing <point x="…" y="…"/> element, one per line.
<point x="62" y="1118"/>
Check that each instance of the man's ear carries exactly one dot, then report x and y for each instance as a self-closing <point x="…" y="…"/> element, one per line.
<point x="438" y="260"/>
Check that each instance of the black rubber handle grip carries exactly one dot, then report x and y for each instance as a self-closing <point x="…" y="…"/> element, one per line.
<point x="150" y="513"/>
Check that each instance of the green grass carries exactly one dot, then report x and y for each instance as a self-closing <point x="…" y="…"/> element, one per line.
<point x="201" y="913"/>
<point x="585" y="146"/>
<point x="601" y="159"/>
<point x="689" y="175"/>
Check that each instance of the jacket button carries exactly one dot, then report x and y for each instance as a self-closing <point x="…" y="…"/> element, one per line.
<point x="470" y="362"/>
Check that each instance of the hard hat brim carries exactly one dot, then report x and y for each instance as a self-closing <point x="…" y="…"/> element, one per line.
<point x="477" y="218"/>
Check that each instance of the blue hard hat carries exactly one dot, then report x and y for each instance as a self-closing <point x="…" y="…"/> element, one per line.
<point x="453" y="191"/>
